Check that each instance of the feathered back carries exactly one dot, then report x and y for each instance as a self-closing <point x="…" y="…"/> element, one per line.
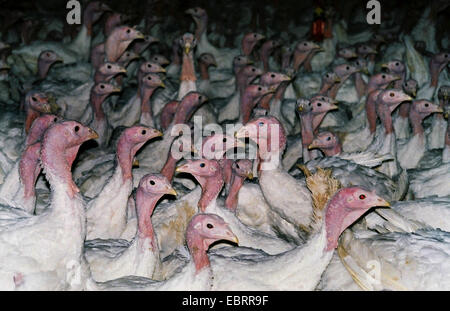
<point x="322" y="186"/>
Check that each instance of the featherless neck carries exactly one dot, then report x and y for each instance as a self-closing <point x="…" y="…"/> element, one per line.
<point x="187" y="69"/>
<point x="145" y="204"/>
<point x="126" y="151"/>
<point x="145" y="94"/>
<point x="211" y="187"/>
<point x="231" y="201"/>
<point x="97" y="102"/>
<point x="416" y="122"/>
<point x="204" y="74"/>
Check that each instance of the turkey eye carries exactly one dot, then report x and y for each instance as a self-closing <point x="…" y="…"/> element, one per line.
<point x="261" y="123"/>
<point x="202" y="164"/>
<point x="383" y="77"/>
<point x="152" y="182"/>
<point x="305" y="44"/>
<point x="239" y="59"/>
<point x="272" y="75"/>
<point x="327" y="75"/>
<point x="253" y="69"/>
<point x="128" y="30"/>
<point x="347" y="68"/>
<point x="392" y="94"/>
<point x="259" y="89"/>
<point x="209" y="226"/>
<point x="128" y="54"/>
<point x="397" y="64"/>
<point x="200" y="97"/>
<point x="77" y="128"/>
<point x="33" y="99"/>
<point x="149" y="66"/>
<point x="446" y="56"/>
<point x="48" y="54"/>
<point x="224" y="140"/>
<point x="319" y="104"/>
<point x="426" y="105"/>
<point x="55" y="119"/>
<point x="237" y="166"/>
<point x="109" y="66"/>
<point x="362" y="196"/>
<point x="102" y="86"/>
<point x="254" y="36"/>
<point x="144" y="132"/>
<point x="149" y="78"/>
<point x="328" y="138"/>
<point x="357" y="63"/>
<point x="156" y="58"/>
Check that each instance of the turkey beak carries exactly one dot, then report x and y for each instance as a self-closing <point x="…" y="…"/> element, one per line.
<point x="414" y="94"/>
<point x="189" y="11"/>
<point x="135" y="163"/>
<point x="139" y="35"/>
<point x="172" y="191"/>
<point x="312" y="146"/>
<point x="250" y="62"/>
<point x="286" y="78"/>
<point x="384" y="66"/>
<point x="334" y="107"/>
<point x="59" y="59"/>
<point x="187" y="48"/>
<point x="116" y="90"/>
<point x="92" y="134"/>
<point x="182" y="169"/>
<point x="162" y="84"/>
<point x="382" y="202"/>
<point x="365" y="71"/>
<point x="230" y="236"/>
<point x="157" y="133"/>
<point x="162" y="70"/>
<point x="439" y="110"/>
<point x="337" y="80"/>
<point x="122" y="70"/>
<point x="5" y="67"/>
<point x="250" y="175"/>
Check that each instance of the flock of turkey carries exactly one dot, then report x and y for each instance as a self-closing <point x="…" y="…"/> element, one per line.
<point x="350" y="192"/>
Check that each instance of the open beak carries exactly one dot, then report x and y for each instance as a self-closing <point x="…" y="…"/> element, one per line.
<point x="385" y="66"/>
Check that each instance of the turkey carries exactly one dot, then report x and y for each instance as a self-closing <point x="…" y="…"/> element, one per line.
<point x="60" y="231"/>
<point x="141" y="258"/>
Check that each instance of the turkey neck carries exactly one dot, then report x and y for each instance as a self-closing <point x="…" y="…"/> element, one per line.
<point x="231" y="201"/>
<point x="88" y="20"/>
<point x="275" y="104"/>
<point x="187" y="69"/>
<point x="384" y="112"/>
<point x="265" y="54"/>
<point x="43" y="68"/>
<point x="198" y="248"/>
<point x="211" y="187"/>
<point x="435" y="70"/>
<point x="204" y="74"/>
<point x="31" y="116"/>
<point x="97" y="102"/>
<point x="145" y="94"/>
<point x="307" y="129"/>
<point x="145" y="204"/>
<point x="371" y="112"/>
<point x="403" y="110"/>
<point x="202" y="24"/>
<point x="56" y="164"/>
<point x="416" y="119"/>
<point x="324" y="88"/>
<point x="169" y="168"/>
<point x="126" y="151"/>
<point x="29" y="169"/>
<point x="360" y="85"/>
<point x="299" y="59"/>
<point x="114" y="47"/>
<point x="248" y="102"/>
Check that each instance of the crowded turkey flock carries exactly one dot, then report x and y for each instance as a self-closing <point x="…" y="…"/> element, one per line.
<point x="351" y="192"/>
